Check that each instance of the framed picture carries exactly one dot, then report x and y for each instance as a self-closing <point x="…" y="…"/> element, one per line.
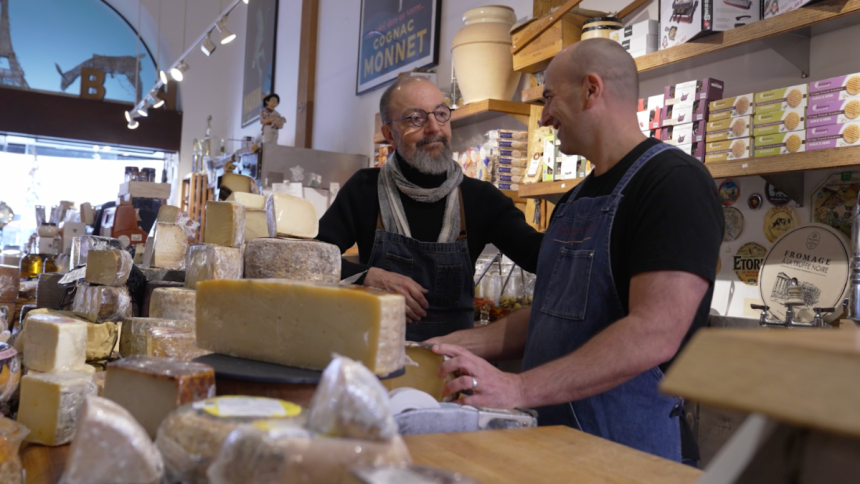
<point x="396" y="36"/>
<point x="259" y="57"/>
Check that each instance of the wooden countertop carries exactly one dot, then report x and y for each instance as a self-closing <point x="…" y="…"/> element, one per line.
<point x="535" y="456"/>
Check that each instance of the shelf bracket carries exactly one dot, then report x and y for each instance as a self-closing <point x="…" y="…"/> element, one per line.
<point x="789" y="183"/>
<point x="793" y="47"/>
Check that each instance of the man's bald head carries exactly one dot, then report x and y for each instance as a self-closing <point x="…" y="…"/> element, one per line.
<point x="605" y="58"/>
<point x="394" y="92"/>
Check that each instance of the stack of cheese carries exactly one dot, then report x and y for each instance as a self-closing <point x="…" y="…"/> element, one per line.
<point x="10" y="282"/>
<point x="168" y="241"/>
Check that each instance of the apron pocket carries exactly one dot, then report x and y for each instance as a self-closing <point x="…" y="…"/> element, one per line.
<point x="567" y="293"/>
<point x="449" y="282"/>
<point x="399" y="265"/>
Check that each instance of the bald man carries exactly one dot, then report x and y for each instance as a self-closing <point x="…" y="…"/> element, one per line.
<point x="625" y="273"/>
<point x="420" y="225"/>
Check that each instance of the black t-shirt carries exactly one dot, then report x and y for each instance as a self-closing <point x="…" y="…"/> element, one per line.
<point x="491" y="218"/>
<point x="670" y="219"/>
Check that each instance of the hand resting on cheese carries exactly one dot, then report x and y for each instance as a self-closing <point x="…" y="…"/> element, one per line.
<point x="416" y="303"/>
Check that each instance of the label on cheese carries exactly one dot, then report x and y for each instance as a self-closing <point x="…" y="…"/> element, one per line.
<point x="108" y="267"/>
<point x="225" y="224"/>
<point x="169" y="246"/>
<point x="259" y="407"/>
<point x="290" y="216"/>
<point x="208" y="262"/>
<point x="50" y="403"/>
<point x="296" y="260"/>
<point x="173" y="303"/>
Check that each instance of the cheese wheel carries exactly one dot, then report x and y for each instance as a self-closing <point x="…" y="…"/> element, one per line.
<point x="296" y="260"/>
<point x="173" y="303"/>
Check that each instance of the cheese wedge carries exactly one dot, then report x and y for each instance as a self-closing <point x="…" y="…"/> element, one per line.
<point x="421" y="367"/>
<point x="55" y="343"/>
<point x="290" y="216"/>
<point x="101" y="337"/>
<point x="256" y="225"/>
<point x="296" y="260"/>
<point x="249" y="200"/>
<point x="108" y="267"/>
<point x="50" y="403"/>
<point x="236" y="183"/>
<point x="301" y="324"/>
<point x="169" y="247"/>
<point x="207" y="262"/>
<point x="225" y="224"/>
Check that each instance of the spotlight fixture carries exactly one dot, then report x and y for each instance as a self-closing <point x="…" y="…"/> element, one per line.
<point x="208" y="47"/>
<point x="178" y="72"/>
<point x="163" y="76"/>
<point x="130" y="115"/>
<point x="142" y="110"/>
<point x="133" y="124"/>
<point x="226" y="35"/>
<point x="157" y="102"/>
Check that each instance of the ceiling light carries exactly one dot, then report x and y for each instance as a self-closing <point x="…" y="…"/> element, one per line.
<point x="178" y="72"/>
<point x="208" y="47"/>
<point x="226" y="35"/>
<point x="142" y="110"/>
<point x="133" y="124"/>
<point x="246" y="2"/>
<point x="130" y="115"/>
<point x="163" y="76"/>
<point x="157" y="102"/>
<point x="106" y="148"/>
<point x="95" y="147"/>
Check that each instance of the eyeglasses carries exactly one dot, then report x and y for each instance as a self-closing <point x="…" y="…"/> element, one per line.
<point x="419" y="117"/>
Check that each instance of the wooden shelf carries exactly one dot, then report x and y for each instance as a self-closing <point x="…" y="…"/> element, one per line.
<point x="802" y="18"/>
<point x="378" y="138"/>
<point x="533" y="95"/>
<point x="481" y="110"/>
<point x="848" y="157"/>
<point x="548" y="189"/>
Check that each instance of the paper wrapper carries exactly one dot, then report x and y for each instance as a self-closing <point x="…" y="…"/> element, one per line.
<point x="133" y="339"/>
<point x="173" y="343"/>
<point x="102" y="303"/>
<point x="10" y="373"/>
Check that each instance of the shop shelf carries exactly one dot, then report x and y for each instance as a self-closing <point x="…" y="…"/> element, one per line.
<point x="533" y="95"/>
<point x="378" y="138"/>
<point x="489" y="108"/>
<point x="548" y="189"/>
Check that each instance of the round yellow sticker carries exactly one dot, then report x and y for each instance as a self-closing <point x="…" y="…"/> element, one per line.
<point x="255" y="407"/>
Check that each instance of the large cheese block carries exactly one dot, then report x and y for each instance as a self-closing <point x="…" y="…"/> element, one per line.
<point x="249" y="200"/>
<point x="207" y="262"/>
<point x="83" y="244"/>
<point x="175" y="303"/>
<point x="421" y="367"/>
<point x="133" y="339"/>
<point x="101" y="337"/>
<point x="169" y="246"/>
<point x="282" y="454"/>
<point x="301" y="324"/>
<point x="102" y="303"/>
<point x="150" y="387"/>
<point x="55" y="343"/>
<point x="180" y="344"/>
<point x="350" y="402"/>
<point x="10" y="282"/>
<point x="108" y="267"/>
<point x="290" y="216"/>
<point x="225" y="224"/>
<point x="110" y="447"/>
<point x="191" y="437"/>
<point x="50" y="403"/>
<point x="256" y="225"/>
<point x="296" y="260"/>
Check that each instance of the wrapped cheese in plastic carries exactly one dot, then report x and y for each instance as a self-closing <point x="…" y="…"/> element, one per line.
<point x="133" y="339"/>
<point x="206" y="262"/>
<point x="10" y="372"/>
<point x="508" y="134"/>
<point x="102" y="303"/>
<point x="110" y="447"/>
<point x="10" y="282"/>
<point x="351" y="402"/>
<point x="12" y="434"/>
<point x="191" y="436"/>
<point x="173" y="343"/>
<point x="275" y="453"/>
<point x="83" y="244"/>
<point x="108" y="267"/>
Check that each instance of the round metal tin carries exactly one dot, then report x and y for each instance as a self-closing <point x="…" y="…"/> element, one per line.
<point x="774" y="196"/>
<point x="754" y="202"/>
<point x="729" y="192"/>
<point x="779" y="220"/>
<point x="734" y="223"/>
<point x="747" y="262"/>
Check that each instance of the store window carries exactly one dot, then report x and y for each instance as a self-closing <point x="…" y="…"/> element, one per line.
<point x="45" y="172"/>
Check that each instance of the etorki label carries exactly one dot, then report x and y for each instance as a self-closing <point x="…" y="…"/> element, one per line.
<point x="747" y="262"/>
<point x="778" y="221"/>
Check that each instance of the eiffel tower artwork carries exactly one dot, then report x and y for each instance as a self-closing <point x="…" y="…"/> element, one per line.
<point x="11" y="73"/>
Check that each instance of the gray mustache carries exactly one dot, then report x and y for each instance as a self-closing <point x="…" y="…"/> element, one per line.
<point x="432" y="139"/>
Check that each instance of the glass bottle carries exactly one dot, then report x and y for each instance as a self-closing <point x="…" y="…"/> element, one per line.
<point x="31" y="264"/>
<point x="50" y="264"/>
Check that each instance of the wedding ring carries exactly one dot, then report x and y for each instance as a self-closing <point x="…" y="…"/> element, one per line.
<point x="474" y="383"/>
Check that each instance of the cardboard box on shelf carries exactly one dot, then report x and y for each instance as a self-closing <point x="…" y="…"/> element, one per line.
<point x="645" y="27"/>
<point x="772" y="8"/>
<point x="640" y="53"/>
<point x="825" y="113"/>
<point x="685" y="20"/>
<point x="653" y="133"/>
<point x="696" y="150"/>
<point x="833" y="136"/>
<point x="794" y="97"/>
<point x="707" y="89"/>
<point x="654" y="107"/>
<point x="727" y="129"/>
<point x="779" y="144"/>
<point x="647" y="43"/>
<point x="841" y="87"/>
<point x="735" y="149"/>
<point x="684" y="113"/>
<point x="683" y="134"/>
<point x="779" y="121"/>
<point x="730" y="107"/>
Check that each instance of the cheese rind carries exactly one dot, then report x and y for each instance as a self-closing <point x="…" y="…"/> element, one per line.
<point x="290" y="216"/>
<point x="174" y="303"/>
<point x="256" y="225"/>
<point x="102" y="303"/>
<point x="421" y="367"/>
<point x="250" y="200"/>
<point x="225" y="224"/>
<point x="169" y="247"/>
<point x="50" y="403"/>
<point x="207" y="262"/>
<point x="133" y="338"/>
<point x="108" y="267"/>
<point x="173" y="343"/>
<point x="297" y="260"/>
<point x="55" y="344"/>
<point x="10" y="283"/>
<point x="301" y="324"/>
<point x="150" y="387"/>
<point x="111" y="447"/>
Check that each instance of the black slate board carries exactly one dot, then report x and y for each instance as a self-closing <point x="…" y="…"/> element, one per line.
<point x="233" y="368"/>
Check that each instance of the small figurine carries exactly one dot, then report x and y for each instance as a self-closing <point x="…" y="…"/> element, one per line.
<point x="271" y="119"/>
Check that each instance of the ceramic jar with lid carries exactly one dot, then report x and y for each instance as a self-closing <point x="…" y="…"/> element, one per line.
<point x="483" y="62"/>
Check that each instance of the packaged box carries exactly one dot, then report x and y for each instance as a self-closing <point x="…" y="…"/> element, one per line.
<point x="842" y="87"/>
<point x="696" y="150"/>
<point x="654" y="107"/>
<point x="644" y="119"/>
<point x="684" y="113"/>
<point x="646" y="27"/>
<point x="683" y="134"/>
<point x="772" y="8"/>
<point x="825" y="113"/>
<point x="685" y="20"/>
<point x="727" y="129"/>
<point x="643" y="42"/>
<point x="567" y="167"/>
<point x="735" y="149"/>
<point x="653" y="133"/>
<point x="781" y="99"/>
<point x="779" y="144"/>
<point x="731" y="107"/>
<point x="779" y="121"/>
<point x="508" y="161"/>
<point x="833" y="136"/>
<point x="707" y="89"/>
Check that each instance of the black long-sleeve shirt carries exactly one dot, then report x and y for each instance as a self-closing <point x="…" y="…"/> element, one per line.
<point x="491" y="218"/>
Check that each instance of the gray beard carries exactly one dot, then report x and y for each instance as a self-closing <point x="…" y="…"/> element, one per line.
<point x="428" y="164"/>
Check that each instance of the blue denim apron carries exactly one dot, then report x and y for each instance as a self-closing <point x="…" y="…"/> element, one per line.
<point x="445" y="269"/>
<point x="575" y="298"/>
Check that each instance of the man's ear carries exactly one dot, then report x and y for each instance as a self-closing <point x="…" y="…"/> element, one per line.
<point x="592" y="88"/>
<point x="388" y="135"/>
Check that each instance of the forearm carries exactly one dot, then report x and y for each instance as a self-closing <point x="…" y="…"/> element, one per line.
<point x="503" y="340"/>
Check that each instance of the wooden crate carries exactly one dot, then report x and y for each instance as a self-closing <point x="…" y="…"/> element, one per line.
<point x="536" y="56"/>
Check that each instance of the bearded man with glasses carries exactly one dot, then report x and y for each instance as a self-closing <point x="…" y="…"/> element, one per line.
<point x="420" y="225"/>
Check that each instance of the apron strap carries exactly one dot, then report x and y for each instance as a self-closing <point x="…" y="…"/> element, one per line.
<point x="462" y="235"/>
